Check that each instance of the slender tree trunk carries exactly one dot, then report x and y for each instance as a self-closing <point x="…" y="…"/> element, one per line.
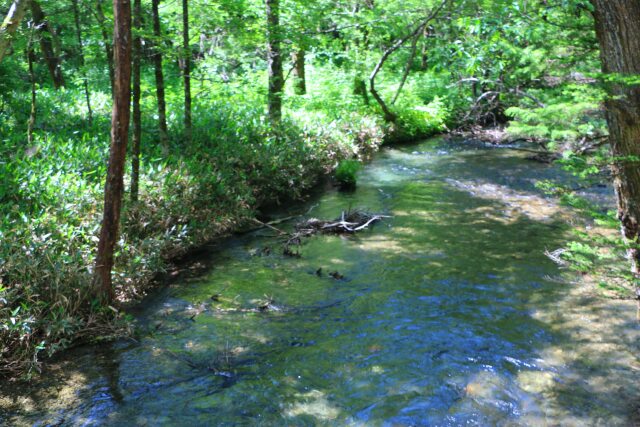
<point x="137" y="129"/>
<point x="360" y="88"/>
<point x="106" y="40"/>
<point x="407" y="68"/>
<point x="157" y="60"/>
<point x="32" y="78"/>
<point x="389" y="115"/>
<point x="47" y="36"/>
<point x="186" y="69"/>
<point x="424" y="57"/>
<point x="87" y="94"/>
<point x="11" y="24"/>
<point x="299" y="77"/>
<point x="618" y="30"/>
<point x="114" y="187"/>
<point x="274" y="57"/>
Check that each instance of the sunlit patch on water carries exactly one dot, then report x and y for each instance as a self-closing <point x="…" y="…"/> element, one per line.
<point x="534" y="206"/>
<point x="313" y="404"/>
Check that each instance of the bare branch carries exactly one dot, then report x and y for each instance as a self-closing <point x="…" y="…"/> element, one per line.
<point x="388" y="114"/>
<point x="407" y="68"/>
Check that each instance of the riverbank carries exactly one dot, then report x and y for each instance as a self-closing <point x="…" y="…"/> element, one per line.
<point x="195" y="193"/>
<point x="449" y="311"/>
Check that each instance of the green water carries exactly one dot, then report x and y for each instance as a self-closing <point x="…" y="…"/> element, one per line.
<point x="449" y="314"/>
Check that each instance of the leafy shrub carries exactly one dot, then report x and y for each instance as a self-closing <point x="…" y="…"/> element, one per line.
<point x="424" y="119"/>
<point x="569" y="114"/>
<point x="346" y="173"/>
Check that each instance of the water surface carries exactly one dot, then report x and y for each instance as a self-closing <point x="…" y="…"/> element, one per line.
<point x="449" y="314"/>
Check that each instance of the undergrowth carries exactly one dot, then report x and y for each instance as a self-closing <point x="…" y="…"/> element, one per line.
<point x="346" y="173"/>
<point x="51" y="193"/>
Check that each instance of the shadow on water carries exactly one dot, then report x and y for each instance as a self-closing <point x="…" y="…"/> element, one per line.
<point x="448" y="314"/>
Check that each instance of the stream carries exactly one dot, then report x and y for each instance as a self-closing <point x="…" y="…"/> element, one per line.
<point x="446" y="314"/>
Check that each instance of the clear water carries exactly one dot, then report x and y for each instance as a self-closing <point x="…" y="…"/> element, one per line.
<point x="449" y="314"/>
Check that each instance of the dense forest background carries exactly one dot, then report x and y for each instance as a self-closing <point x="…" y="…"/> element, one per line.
<point x="238" y="105"/>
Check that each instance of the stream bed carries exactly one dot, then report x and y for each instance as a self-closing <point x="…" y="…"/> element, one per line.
<point x="446" y="314"/>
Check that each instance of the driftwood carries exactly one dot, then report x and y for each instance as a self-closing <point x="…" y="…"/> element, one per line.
<point x="556" y="256"/>
<point x="270" y="225"/>
<point x="349" y="222"/>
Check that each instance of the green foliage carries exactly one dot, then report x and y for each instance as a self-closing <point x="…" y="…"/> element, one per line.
<point x="600" y="251"/>
<point x="425" y="119"/>
<point x="51" y="201"/>
<point x="570" y="114"/>
<point x="526" y="53"/>
<point x="622" y="79"/>
<point x="346" y="172"/>
<point x="580" y="256"/>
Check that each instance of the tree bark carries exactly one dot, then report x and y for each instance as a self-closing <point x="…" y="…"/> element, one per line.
<point x="32" y="80"/>
<point x="299" y="74"/>
<point x="137" y="129"/>
<point x="47" y="35"/>
<point x="87" y="93"/>
<point x="186" y="69"/>
<point x="389" y="115"/>
<point x="618" y="31"/>
<point x="424" y="57"/>
<point x="157" y="61"/>
<point x="407" y="68"/>
<point x="360" y="88"/>
<point x="11" y="24"/>
<point x="274" y="62"/>
<point x="114" y="186"/>
<point x="106" y="40"/>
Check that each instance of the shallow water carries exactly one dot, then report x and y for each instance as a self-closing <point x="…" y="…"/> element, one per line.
<point x="449" y="313"/>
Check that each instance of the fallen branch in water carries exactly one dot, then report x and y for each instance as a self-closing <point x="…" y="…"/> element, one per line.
<point x="555" y="256"/>
<point x="349" y="222"/>
<point x="269" y="224"/>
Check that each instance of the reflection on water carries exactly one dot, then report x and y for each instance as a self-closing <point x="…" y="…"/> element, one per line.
<point x="448" y="314"/>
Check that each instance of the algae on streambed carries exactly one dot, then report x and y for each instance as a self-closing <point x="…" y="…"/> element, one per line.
<point x="449" y="313"/>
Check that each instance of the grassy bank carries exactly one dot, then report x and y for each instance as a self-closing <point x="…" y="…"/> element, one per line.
<point x="51" y="192"/>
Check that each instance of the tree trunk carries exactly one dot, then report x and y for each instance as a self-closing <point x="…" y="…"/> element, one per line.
<point x="618" y="30"/>
<point x="424" y="57"/>
<point x="389" y="115"/>
<point x="360" y="88"/>
<point x="299" y="77"/>
<point x="137" y="129"/>
<point x="32" y="79"/>
<point x="11" y="24"/>
<point x="157" y="60"/>
<point x="186" y="69"/>
<point x="119" y="135"/>
<point x="407" y="68"/>
<point x="47" y="35"/>
<point x="274" y="62"/>
<point x="106" y="41"/>
<point x="87" y="94"/>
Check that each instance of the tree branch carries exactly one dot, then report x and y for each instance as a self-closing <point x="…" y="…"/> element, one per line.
<point x="407" y="68"/>
<point x="388" y="114"/>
